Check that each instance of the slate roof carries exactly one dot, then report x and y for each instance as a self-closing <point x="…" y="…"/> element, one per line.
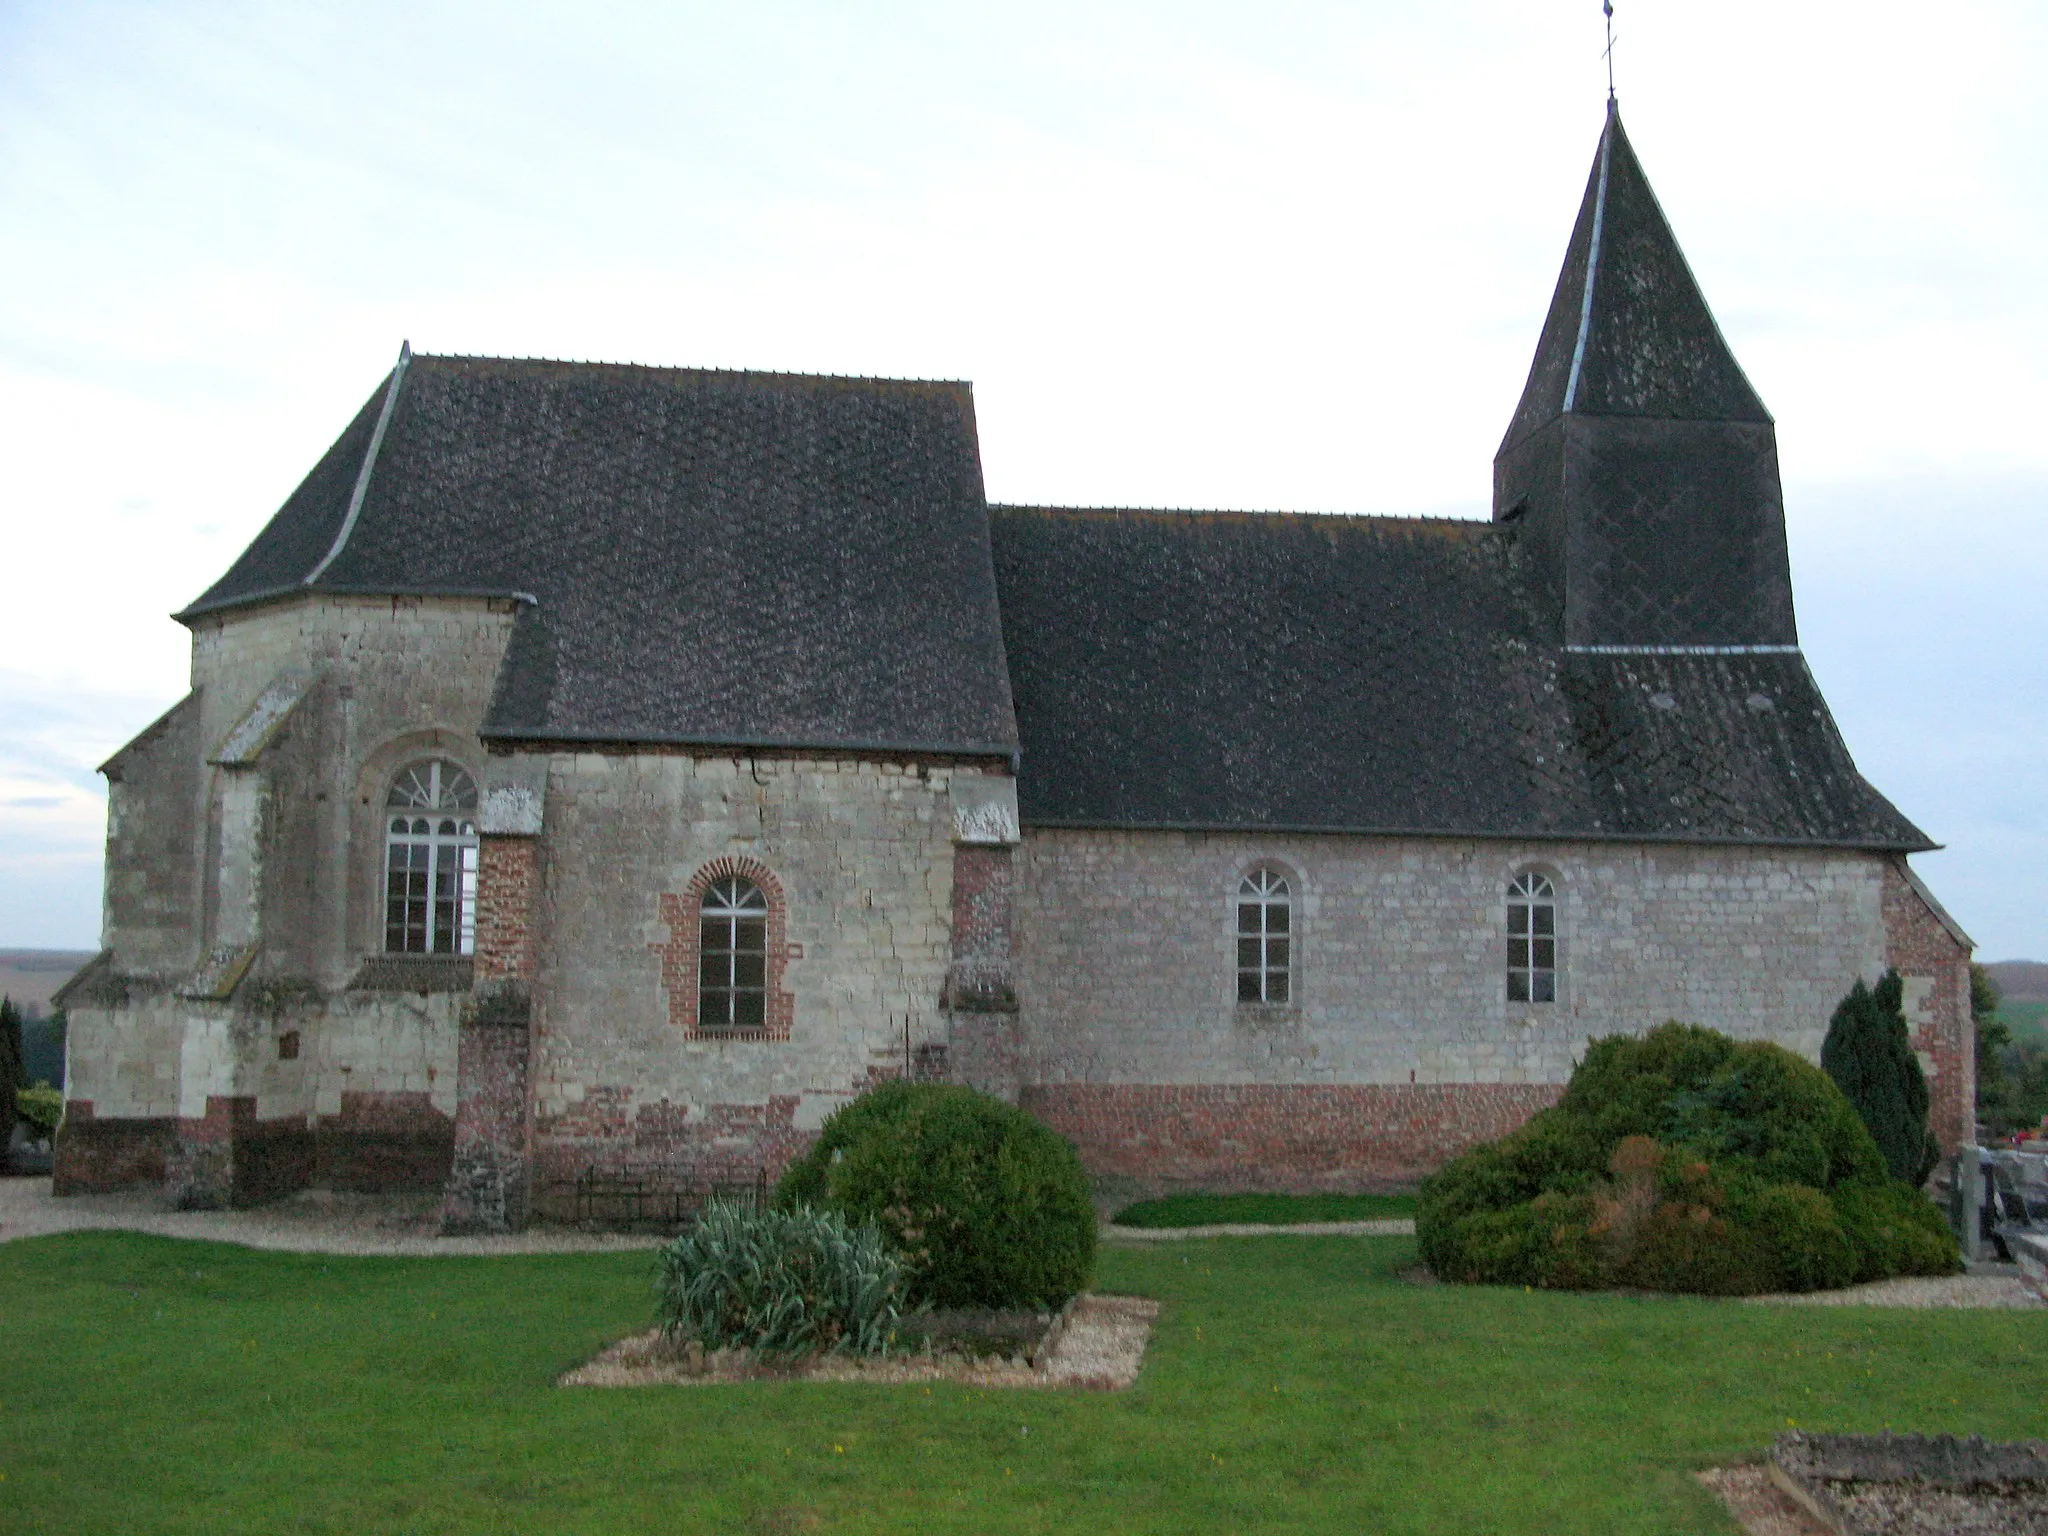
<point x="708" y="557"/>
<point x="1234" y="670"/>
<point x="1642" y="342"/>
<point x="740" y="559"/>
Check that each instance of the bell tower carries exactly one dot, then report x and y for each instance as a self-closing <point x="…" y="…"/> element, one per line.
<point x="1641" y="469"/>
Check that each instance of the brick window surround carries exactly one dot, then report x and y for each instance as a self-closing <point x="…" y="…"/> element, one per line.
<point x="679" y="956"/>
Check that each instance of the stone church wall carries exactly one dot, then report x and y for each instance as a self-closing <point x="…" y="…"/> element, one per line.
<point x="1400" y="1047"/>
<point x="238" y="1087"/>
<point x="857" y="858"/>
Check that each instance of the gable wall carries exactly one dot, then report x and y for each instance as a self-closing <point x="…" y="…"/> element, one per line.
<point x="1402" y="1047"/>
<point x="862" y="855"/>
<point x="392" y="679"/>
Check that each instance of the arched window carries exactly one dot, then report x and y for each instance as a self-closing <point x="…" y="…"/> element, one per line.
<point x="430" y="861"/>
<point x="1532" y="939"/>
<point x="1265" y="938"/>
<point x="732" y="960"/>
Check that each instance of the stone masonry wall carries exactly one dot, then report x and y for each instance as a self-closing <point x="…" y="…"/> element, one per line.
<point x="1934" y="967"/>
<point x="1126" y="972"/>
<point x="862" y="855"/>
<point x="296" y="836"/>
<point x="390" y="680"/>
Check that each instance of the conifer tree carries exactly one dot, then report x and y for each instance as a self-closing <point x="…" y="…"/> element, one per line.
<point x="1869" y="1054"/>
<point x="12" y="1070"/>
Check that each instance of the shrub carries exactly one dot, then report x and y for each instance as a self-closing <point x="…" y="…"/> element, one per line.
<point x="1803" y="1237"/>
<point x="780" y="1283"/>
<point x="1682" y="1161"/>
<point x="988" y="1207"/>
<point x="1869" y="1054"/>
<point x="41" y="1109"/>
<point x="1895" y="1231"/>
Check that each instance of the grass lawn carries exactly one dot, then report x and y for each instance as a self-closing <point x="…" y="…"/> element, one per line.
<point x="1262" y="1210"/>
<point x="1295" y="1384"/>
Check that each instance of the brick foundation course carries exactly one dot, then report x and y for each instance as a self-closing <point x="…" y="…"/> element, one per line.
<point x="723" y="1144"/>
<point x="383" y="1142"/>
<point x="1162" y="1137"/>
<point x="96" y="1157"/>
<point x="228" y="1157"/>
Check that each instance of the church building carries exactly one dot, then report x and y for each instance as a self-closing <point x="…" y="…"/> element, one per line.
<point x="605" y="770"/>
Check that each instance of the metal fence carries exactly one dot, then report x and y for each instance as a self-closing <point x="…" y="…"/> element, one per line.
<point x="644" y="1199"/>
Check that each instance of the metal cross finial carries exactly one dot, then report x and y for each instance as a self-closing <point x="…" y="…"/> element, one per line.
<point x="1607" y="10"/>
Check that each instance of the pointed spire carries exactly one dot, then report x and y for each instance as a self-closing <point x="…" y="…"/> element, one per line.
<point x="1629" y="333"/>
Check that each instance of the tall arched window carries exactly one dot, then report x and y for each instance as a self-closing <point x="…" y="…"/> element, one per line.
<point x="732" y="960"/>
<point x="1265" y="938"/>
<point x="430" y="861"/>
<point x="1532" y="939"/>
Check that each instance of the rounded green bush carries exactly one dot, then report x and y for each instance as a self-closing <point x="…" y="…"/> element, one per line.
<point x="1895" y="1230"/>
<point x="988" y="1207"/>
<point x="1682" y="1160"/>
<point x="1800" y="1231"/>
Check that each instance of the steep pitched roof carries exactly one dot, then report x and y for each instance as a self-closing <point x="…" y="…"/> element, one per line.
<point x="1629" y="333"/>
<point x="710" y="557"/>
<point x="1233" y="670"/>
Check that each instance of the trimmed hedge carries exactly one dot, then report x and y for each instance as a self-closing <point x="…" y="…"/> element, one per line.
<point x="1683" y="1161"/>
<point x="988" y="1207"/>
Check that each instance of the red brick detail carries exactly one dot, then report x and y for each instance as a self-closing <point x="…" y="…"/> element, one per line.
<point x="1293" y="1136"/>
<point x="94" y="1156"/>
<point x="679" y="956"/>
<point x="679" y="1148"/>
<point x="384" y="1141"/>
<point x="228" y="1157"/>
<point x="1919" y="946"/>
<point x="507" y="892"/>
<point x="488" y="1181"/>
<point x="981" y="902"/>
<point x="978" y="980"/>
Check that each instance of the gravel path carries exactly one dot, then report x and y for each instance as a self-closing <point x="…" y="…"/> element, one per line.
<point x="1397" y="1227"/>
<point x="1938" y="1291"/>
<point x="316" y="1221"/>
<point x="319" y="1221"/>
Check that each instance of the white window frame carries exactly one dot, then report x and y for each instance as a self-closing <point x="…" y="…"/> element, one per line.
<point x="1267" y="958"/>
<point x="430" y="844"/>
<point x="733" y="972"/>
<point x="1532" y="954"/>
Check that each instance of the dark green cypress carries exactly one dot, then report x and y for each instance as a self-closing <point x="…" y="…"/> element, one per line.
<point x="1869" y="1054"/>
<point x="11" y="1070"/>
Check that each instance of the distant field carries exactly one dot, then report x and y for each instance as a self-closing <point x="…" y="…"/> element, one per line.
<point x="2027" y="1021"/>
<point x="2021" y="981"/>
<point x="29" y="976"/>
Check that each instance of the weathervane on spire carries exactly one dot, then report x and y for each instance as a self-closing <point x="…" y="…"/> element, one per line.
<point x="1607" y="10"/>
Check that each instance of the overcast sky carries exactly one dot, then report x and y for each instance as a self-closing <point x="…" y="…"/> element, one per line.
<point x="1244" y="255"/>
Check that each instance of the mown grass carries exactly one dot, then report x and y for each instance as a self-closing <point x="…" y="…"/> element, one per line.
<point x="1294" y="1384"/>
<point x="1261" y="1210"/>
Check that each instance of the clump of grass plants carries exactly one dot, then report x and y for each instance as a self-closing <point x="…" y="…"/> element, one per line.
<point x="780" y="1284"/>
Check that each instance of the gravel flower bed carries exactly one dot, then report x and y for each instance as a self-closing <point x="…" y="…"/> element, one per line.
<point x="1100" y="1343"/>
